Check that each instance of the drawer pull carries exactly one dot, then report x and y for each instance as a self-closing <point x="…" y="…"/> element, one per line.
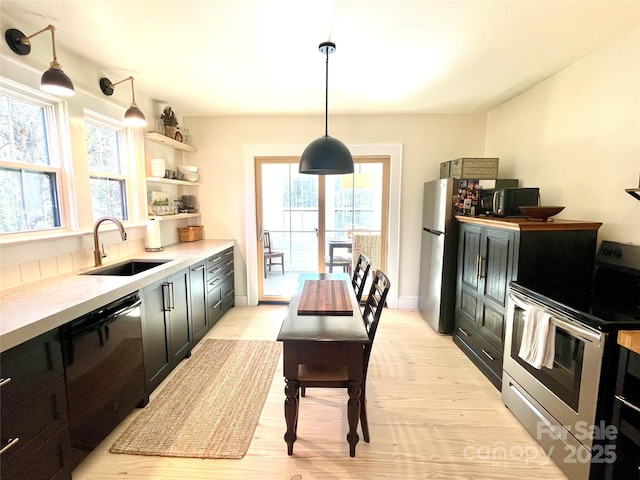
<point x="215" y="259"/>
<point x="218" y="303"/>
<point x="216" y="270"/>
<point x="230" y="272"/>
<point x="12" y="443"/>
<point x="230" y="252"/>
<point x="4" y="381"/>
<point x="488" y="355"/>
<point x="198" y="268"/>
<point x="231" y="292"/>
<point x="213" y="282"/>
<point x="230" y="262"/>
<point x="463" y="331"/>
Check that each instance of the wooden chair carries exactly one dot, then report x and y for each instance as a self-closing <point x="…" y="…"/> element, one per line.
<point x="324" y="376"/>
<point x="270" y="255"/>
<point x="360" y="274"/>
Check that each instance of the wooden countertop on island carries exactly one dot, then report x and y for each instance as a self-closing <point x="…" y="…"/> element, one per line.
<point x="630" y="339"/>
<point x="526" y="225"/>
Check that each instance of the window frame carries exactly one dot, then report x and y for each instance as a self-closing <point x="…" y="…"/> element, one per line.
<point x="124" y="151"/>
<point x="55" y="121"/>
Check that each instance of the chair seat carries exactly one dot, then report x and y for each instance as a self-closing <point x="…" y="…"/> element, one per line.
<point x="322" y="373"/>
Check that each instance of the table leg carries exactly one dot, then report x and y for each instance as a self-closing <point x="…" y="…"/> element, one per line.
<point x="353" y="416"/>
<point x="291" y="412"/>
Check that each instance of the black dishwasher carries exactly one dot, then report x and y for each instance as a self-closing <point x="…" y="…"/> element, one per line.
<point x="104" y="371"/>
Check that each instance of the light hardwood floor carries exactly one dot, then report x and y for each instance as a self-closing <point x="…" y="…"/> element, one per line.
<point x="432" y="415"/>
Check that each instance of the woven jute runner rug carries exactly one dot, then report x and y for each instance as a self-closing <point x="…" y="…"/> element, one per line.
<point x="210" y="408"/>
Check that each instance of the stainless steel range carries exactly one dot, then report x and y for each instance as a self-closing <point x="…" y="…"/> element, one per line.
<point x="561" y="358"/>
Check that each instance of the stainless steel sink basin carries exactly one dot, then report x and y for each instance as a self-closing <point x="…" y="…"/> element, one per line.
<point x="128" y="268"/>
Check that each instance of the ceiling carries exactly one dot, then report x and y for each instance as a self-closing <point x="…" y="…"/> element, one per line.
<point x="239" y="57"/>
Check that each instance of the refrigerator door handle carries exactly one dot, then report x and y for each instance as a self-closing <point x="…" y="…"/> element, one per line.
<point x="434" y="232"/>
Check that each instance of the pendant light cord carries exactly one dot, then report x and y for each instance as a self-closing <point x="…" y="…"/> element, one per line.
<point x="326" y="98"/>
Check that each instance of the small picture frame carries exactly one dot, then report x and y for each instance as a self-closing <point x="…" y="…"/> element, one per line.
<point x="178" y="136"/>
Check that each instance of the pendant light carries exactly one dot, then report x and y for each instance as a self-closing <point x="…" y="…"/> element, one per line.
<point x="326" y="155"/>
<point x="53" y="80"/>
<point x="133" y="117"/>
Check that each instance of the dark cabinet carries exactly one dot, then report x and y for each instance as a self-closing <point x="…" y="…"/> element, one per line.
<point x="198" y="297"/>
<point x="166" y="328"/>
<point x="34" y="427"/>
<point x="220" y="285"/>
<point x="491" y="254"/>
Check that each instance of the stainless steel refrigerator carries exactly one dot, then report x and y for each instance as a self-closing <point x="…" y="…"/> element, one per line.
<point x="439" y="252"/>
<point x="438" y="257"/>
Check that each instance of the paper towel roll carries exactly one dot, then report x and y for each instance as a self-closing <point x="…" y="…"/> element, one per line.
<point x="153" y="238"/>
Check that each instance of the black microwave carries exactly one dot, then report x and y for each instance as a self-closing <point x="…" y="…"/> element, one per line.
<point x="506" y="202"/>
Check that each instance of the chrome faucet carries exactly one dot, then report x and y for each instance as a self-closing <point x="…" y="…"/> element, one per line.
<point x="98" y="254"/>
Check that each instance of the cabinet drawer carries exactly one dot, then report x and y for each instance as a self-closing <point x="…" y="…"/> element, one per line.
<point x="215" y="278"/>
<point x="228" y="293"/>
<point x="215" y="304"/>
<point x="46" y="462"/>
<point x="32" y="422"/>
<point x="480" y="351"/>
<point x="214" y="260"/>
<point x="27" y="368"/>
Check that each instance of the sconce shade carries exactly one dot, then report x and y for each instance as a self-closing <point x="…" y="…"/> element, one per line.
<point x="133" y="117"/>
<point x="54" y="80"/>
<point x="57" y="82"/>
<point x="326" y="156"/>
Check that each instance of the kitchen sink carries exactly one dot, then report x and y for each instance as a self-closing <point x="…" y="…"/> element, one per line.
<point x="128" y="268"/>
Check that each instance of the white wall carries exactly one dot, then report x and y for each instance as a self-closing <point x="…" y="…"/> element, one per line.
<point x="426" y="141"/>
<point x="577" y="137"/>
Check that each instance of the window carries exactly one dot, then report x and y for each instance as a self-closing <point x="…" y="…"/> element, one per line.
<point x="29" y="164"/>
<point x="107" y="170"/>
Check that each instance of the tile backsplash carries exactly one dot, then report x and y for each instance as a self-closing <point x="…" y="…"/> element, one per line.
<point x="33" y="260"/>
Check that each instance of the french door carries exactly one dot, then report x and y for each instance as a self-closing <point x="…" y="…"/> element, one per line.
<point x="319" y="223"/>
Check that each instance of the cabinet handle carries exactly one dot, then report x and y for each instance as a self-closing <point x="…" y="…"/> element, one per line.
<point x="230" y="262"/>
<point x="628" y="403"/>
<point x="477" y="266"/>
<point x="488" y="355"/>
<point x="481" y="266"/>
<point x="216" y="270"/>
<point x="4" y="381"/>
<point x="213" y="307"/>
<point x="230" y="272"/>
<point x="172" y="297"/>
<point x="12" y="443"/>
<point x="212" y="283"/>
<point x="231" y="292"/>
<point x="198" y="268"/>
<point x="463" y="331"/>
<point x="230" y="252"/>
<point x="215" y="259"/>
<point x="166" y="300"/>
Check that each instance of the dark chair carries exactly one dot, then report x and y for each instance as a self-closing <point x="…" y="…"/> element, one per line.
<point x="270" y="255"/>
<point x="360" y="274"/>
<point x="324" y="376"/>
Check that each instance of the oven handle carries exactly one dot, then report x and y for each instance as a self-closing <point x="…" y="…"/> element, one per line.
<point x="565" y="324"/>
<point x="627" y="403"/>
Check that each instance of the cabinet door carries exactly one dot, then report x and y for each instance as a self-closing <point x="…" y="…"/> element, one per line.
<point x="467" y="302"/>
<point x="155" y="339"/>
<point x="198" y="296"/>
<point x="180" y="334"/>
<point x="496" y="265"/>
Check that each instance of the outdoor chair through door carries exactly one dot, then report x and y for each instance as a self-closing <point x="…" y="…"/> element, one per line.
<point x="270" y="255"/>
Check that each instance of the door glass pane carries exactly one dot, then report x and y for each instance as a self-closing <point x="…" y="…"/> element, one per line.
<point x="290" y="215"/>
<point x="353" y="219"/>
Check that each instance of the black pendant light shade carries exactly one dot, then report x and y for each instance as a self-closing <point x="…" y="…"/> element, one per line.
<point x="326" y="155"/>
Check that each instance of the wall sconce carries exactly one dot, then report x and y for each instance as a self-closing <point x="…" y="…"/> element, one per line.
<point x="133" y="117"/>
<point x="53" y="80"/>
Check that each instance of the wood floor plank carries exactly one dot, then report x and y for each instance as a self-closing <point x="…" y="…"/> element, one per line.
<point x="432" y="414"/>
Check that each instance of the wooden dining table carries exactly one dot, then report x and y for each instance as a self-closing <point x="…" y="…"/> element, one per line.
<point x="323" y="326"/>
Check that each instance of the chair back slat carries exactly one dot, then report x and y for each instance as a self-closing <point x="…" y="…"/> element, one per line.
<point x="360" y="275"/>
<point x="373" y="308"/>
<point x="267" y="241"/>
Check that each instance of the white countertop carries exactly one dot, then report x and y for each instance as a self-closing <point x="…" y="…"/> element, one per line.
<point x="32" y="309"/>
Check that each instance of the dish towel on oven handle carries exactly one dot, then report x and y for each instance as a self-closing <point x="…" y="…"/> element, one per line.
<point x="538" y="338"/>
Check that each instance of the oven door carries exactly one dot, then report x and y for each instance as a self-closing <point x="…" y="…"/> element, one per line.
<point x="569" y="390"/>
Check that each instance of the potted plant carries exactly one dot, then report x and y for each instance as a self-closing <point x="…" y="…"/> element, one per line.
<point x="170" y="122"/>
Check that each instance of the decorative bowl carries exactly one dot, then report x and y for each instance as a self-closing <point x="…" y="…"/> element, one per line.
<point x="541" y="213"/>
<point x="187" y="169"/>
